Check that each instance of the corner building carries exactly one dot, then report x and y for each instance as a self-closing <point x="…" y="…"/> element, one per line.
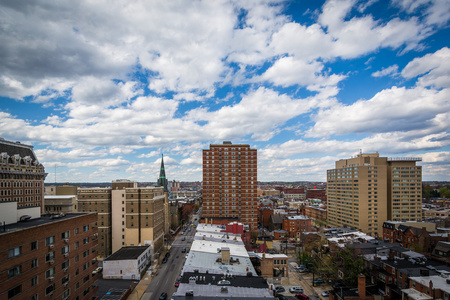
<point x="365" y="191"/>
<point x="230" y="184"/>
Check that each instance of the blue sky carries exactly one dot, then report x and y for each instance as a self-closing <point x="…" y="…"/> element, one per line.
<point x="101" y="89"/>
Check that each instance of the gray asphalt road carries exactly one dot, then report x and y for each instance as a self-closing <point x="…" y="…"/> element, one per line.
<point x="164" y="280"/>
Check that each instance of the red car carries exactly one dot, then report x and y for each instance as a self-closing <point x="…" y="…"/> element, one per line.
<point x="177" y="283"/>
<point x="302" y="297"/>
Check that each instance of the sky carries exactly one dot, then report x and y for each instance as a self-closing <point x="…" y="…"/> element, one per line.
<point x="102" y="89"/>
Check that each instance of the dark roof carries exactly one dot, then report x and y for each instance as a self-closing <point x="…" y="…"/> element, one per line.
<point x="127" y="253"/>
<point x="403" y="227"/>
<point x="277" y="218"/>
<point x="236" y="281"/>
<point x="17" y="148"/>
<point x="43" y="220"/>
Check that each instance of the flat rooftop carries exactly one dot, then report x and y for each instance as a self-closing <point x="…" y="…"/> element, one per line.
<point x="127" y="253"/>
<point x="43" y="220"/>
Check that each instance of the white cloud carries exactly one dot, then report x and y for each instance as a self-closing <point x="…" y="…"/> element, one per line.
<point x="395" y="109"/>
<point x="389" y="71"/>
<point x="434" y="68"/>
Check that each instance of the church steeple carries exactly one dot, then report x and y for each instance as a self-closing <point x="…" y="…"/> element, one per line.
<point x="162" y="180"/>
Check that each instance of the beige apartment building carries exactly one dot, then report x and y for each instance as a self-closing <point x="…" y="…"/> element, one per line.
<point x="138" y="217"/>
<point x="367" y="190"/>
<point x="98" y="200"/>
<point x="230" y="184"/>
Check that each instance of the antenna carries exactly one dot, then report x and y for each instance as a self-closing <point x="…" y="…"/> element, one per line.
<point x="55" y="174"/>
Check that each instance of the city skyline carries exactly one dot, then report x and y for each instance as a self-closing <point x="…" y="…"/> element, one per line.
<point x="101" y="90"/>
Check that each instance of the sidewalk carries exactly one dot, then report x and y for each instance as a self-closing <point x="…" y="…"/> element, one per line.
<point x="141" y="287"/>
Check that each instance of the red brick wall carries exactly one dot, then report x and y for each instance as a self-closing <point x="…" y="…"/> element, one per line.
<point x="23" y="239"/>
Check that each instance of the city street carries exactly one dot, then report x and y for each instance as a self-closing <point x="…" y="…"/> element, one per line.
<point x="166" y="275"/>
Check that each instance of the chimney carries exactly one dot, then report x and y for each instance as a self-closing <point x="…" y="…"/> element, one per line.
<point x="362" y="286"/>
<point x="225" y="255"/>
<point x="431" y="288"/>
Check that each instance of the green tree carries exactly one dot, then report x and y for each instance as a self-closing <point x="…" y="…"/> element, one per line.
<point x="444" y="192"/>
<point x="352" y="265"/>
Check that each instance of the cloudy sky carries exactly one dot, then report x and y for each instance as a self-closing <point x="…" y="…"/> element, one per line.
<point x="102" y="88"/>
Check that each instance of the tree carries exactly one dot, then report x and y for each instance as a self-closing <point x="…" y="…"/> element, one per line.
<point x="444" y="192"/>
<point x="352" y="265"/>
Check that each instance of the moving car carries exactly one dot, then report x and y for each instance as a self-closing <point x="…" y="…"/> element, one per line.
<point x="295" y="289"/>
<point x="163" y="296"/>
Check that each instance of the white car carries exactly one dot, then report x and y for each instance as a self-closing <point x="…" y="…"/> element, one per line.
<point x="295" y="290"/>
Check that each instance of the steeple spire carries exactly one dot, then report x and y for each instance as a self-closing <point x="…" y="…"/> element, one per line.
<point x="162" y="180"/>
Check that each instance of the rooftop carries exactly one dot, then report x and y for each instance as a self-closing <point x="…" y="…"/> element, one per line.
<point x="43" y="220"/>
<point x="127" y="253"/>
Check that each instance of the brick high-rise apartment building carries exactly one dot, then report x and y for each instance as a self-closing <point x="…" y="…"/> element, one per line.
<point x="230" y="184"/>
<point x="365" y="191"/>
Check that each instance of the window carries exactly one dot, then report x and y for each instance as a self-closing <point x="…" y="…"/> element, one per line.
<point x="34" y="263"/>
<point x="65" y="264"/>
<point x="49" y="272"/>
<point x="49" y="256"/>
<point x="65" y="235"/>
<point x="14" y="252"/>
<point x="66" y="294"/>
<point x="34" y="281"/>
<point x="49" y="240"/>
<point x="50" y="289"/>
<point x="85" y="227"/>
<point x="65" y="279"/>
<point x="14" y="291"/>
<point x="33" y="245"/>
<point x="65" y="249"/>
<point x="13" y="272"/>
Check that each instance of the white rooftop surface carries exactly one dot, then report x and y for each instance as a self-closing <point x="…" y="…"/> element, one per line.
<point x="413" y="254"/>
<point x="204" y="253"/>
<point x="215" y="291"/>
<point x="298" y="218"/>
<point x="268" y="255"/>
<point x="49" y="197"/>
<point x="416" y="295"/>
<point x="439" y="282"/>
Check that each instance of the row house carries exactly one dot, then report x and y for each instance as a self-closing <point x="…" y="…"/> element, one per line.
<point x="316" y="212"/>
<point x="296" y="225"/>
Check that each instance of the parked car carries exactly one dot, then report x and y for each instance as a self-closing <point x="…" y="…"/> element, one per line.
<point x="279" y="289"/>
<point x="183" y="238"/>
<point x="163" y="296"/>
<point x="177" y="283"/>
<point x="326" y="293"/>
<point x="302" y="297"/>
<point x="164" y="260"/>
<point x="281" y="297"/>
<point x="167" y="254"/>
<point x="318" y="281"/>
<point x="183" y="250"/>
<point x="295" y="289"/>
<point x="98" y="270"/>
<point x="302" y="270"/>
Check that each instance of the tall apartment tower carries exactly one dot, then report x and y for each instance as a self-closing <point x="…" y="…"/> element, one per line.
<point x="230" y="183"/>
<point x="365" y="191"/>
